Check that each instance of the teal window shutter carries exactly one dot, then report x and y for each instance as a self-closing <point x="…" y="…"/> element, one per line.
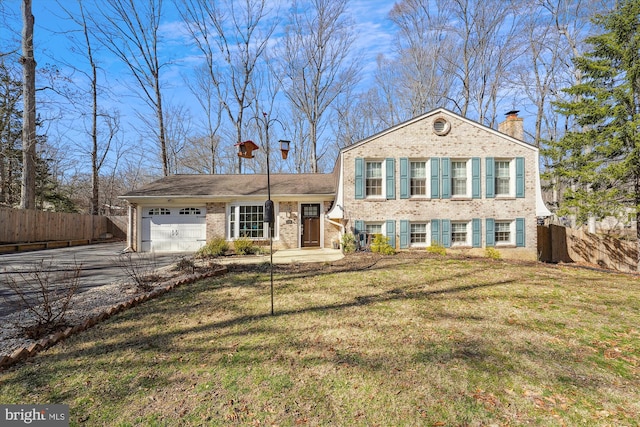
<point x="404" y="234"/>
<point x="519" y="176"/>
<point x="476" y="225"/>
<point x="391" y="178"/>
<point x="446" y="177"/>
<point x="490" y="182"/>
<point x="391" y="232"/>
<point x="359" y="178"/>
<point x="404" y="178"/>
<point x="446" y="233"/>
<point x="491" y="234"/>
<point x="520" y="236"/>
<point x="435" y="178"/>
<point x="435" y="232"/>
<point x="475" y="178"/>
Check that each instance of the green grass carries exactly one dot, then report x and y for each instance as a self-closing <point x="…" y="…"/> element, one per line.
<point x="375" y="341"/>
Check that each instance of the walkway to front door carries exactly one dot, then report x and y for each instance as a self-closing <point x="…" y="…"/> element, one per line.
<point x="310" y="225"/>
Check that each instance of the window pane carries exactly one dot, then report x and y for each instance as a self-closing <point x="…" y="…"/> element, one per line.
<point x="418" y="178"/>
<point x="502" y="177"/>
<point x="251" y="221"/>
<point x="418" y="233"/>
<point x="459" y="178"/>
<point x="374" y="179"/>
<point x="503" y="232"/>
<point x="373" y="228"/>
<point x="459" y="232"/>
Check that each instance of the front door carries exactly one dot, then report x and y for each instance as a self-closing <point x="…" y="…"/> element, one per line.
<point x="310" y="225"/>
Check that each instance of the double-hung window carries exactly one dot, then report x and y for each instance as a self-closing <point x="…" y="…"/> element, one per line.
<point x="373" y="228"/>
<point x="418" y="235"/>
<point x="247" y="221"/>
<point x="503" y="232"/>
<point x="503" y="178"/>
<point x="459" y="185"/>
<point x="418" y="178"/>
<point x="459" y="233"/>
<point x="373" y="180"/>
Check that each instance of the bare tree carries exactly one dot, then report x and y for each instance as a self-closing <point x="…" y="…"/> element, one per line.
<point x="422" y="77"/>
<point x="28" y="188"/>
<point x="132" y="35"/>
<point x="233" y="36"/>
<point x="318" y="62"/>
<point x="204" y="91"/>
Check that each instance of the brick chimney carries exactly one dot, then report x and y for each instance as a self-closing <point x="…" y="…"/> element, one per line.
<point x="513" y="125"/>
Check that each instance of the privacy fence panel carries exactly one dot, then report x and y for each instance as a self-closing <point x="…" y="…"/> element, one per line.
<point x="561" y="244"/>
<point x="23" y="226"/>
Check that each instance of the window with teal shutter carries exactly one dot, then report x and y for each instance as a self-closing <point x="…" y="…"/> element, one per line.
<point x="476" y="239"/>
<point x="490" y="235"/>
<point x="520" y="235"/>
<point x="435" y="178"/>
<point x="391" y="178"/>
<point x="490" y="178"/>
<point x="359" y="178"/>
<point x="359" y="232"/>
<point x="519" y="176"/>
<point x="404" y="178"/>
<point x="435" y="232"/>
<point x="475" y="178"/>
<point x="391" y="232"/>
<point x="446" y="233"/>
<point x="404" y="234"/>
<point x="446" y="177"/>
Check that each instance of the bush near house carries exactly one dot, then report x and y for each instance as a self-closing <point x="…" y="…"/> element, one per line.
<point x="245" y="246"/>
<point x="381" y="245"/>
<point x="214" y="248"/>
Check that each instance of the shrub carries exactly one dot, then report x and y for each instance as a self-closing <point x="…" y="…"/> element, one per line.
<point x="214" y="248"/>
<point x="186" y="264"/>
<point x="141" y="268"/>
<point x="244" y="246"/>
<point x="437" y="249"/>
<point x="348" y="243"/>
<point x="45" y="292"/>
<point x="492" y="253"/>
<point x="381" y="245"/>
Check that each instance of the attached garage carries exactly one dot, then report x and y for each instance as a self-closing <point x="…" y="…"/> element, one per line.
<point x="173" y="229"/>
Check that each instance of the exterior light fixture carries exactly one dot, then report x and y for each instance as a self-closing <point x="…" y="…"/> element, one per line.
<point x="284" y="148"/>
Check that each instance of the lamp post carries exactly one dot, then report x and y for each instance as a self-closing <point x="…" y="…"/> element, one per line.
<point x="244" y="150"/>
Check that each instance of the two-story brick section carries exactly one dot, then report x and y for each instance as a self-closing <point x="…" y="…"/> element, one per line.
<point x="436" y="179"/>
<point x="443" y="179"/>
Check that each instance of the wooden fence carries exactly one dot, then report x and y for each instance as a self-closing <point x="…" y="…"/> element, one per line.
<point x="24" y="226"/>
<point x="561" y="244"/>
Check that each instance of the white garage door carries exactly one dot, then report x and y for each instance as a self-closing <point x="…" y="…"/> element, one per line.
<point x="174" y="229"/>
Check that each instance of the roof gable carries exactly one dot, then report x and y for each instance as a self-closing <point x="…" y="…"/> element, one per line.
<point x="437" y="112"/>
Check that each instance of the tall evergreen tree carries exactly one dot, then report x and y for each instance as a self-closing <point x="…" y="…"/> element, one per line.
<point x="600" y="159"/>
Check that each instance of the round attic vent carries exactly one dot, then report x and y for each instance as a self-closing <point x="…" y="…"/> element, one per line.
<point x="441" y="126"/>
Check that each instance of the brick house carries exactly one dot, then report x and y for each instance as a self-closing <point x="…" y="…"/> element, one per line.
<point x="441" y="178"/>
<point x="438" y="178"/>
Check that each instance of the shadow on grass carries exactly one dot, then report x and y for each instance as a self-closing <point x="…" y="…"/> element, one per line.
<point x="163" y="351"/>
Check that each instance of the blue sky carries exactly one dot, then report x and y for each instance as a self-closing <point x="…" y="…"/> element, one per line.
<point x="374" y="36"/>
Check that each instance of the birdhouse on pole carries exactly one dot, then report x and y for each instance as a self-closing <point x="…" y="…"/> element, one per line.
<point x="246" y="148"/>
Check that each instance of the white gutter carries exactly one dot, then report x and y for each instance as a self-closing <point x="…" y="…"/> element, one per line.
<point x="541" y="208"/>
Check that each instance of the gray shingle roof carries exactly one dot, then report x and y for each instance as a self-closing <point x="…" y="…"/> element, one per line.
<point x="237" y="185"/>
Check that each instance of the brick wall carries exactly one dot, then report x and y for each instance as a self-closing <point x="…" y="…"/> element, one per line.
<point x="417" y="140"/>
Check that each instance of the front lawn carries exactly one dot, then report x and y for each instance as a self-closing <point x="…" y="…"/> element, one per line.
<point x="390" y="341"/>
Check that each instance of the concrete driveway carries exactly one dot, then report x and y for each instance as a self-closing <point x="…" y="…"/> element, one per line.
<point x="98" y="264"/>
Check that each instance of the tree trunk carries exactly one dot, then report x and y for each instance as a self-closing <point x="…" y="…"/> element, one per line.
<point x="28" y="188"/>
